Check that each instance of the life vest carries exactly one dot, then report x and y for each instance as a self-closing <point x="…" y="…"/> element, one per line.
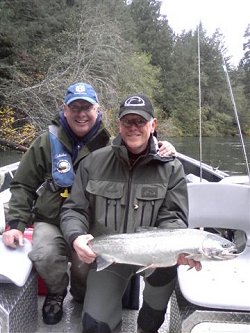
<point x="62" y="168"/>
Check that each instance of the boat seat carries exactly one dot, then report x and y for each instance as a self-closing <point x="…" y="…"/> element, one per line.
<point x="4" y="199"/>
<point x="15" y="265"/>
<point x="236" y="180"/>
<point x="2" y="216"/>
<point x="220" y="291"/>
<point x="191" y="178"/>
<point x="219" y="205"/>
<point x="2" y="176"/>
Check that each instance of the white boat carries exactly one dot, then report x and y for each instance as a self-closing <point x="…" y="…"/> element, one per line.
<point x="203" y="301"/>
<point x="193" y="169"/>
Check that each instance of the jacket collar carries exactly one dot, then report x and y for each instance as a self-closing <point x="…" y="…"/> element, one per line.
<point x="122" y="152"/>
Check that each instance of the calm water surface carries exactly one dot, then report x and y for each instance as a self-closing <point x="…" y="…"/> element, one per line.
<point x="223" y="153"/>
<point x="9" y="156"/>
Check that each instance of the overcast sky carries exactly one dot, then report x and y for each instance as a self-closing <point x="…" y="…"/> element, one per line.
<point x="230" y="16"/>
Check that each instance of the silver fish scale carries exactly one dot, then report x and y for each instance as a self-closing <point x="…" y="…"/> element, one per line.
<point x="159" y="248"/>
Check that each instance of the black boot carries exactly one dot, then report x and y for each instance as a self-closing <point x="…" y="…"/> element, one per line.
<point x="53" y="308"/>
<point x="142" y="331"/>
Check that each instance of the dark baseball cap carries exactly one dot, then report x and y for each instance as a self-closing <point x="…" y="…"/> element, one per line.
<point x="137" y="104"/>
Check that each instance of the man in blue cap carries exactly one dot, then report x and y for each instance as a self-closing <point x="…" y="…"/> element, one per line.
<point x="40" y="186"/>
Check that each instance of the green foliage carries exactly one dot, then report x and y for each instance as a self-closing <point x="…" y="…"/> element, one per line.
<point x="166" y="127"/>
<point x="136" y="74"/>
<point x="7" y="119"/>
<point x="156" y="38"/>
<point x="11" y="129"/>
<point x="140" y="76"/>
<point x="120" y="47"/>
<point x="246" y="65"/>
<point x="215" y="123"/>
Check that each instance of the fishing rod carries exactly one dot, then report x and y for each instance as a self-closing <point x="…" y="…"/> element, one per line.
<point x="200" y="111"/>
<point x="236" y="115"/>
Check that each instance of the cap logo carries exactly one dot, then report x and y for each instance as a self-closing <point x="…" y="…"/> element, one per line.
<point x="134" y="101"/>
<point x="80" y="89"/>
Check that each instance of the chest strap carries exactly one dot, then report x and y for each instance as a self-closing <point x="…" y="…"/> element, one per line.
<point x="62" y="168"/>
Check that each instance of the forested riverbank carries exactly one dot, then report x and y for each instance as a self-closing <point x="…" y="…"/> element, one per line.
<point x="120" y="47"/>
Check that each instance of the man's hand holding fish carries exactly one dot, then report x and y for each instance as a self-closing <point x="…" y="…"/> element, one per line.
<point x="184" y="260"/>
<point x="84" y="252"/>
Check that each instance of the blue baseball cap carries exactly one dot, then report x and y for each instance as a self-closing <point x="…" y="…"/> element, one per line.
<point x="81" y="91"/>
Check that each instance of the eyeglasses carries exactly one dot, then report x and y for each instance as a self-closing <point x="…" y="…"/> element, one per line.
<point x="77" y="108"/>
<point x="137" y="122"/>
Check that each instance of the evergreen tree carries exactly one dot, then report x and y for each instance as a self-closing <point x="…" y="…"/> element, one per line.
<point x="156" y="38"/>
<point x="120" y="47"/>
<point x="184" y="85"/>
<point x="182" y="101"/>
<point x="246" y="65"/>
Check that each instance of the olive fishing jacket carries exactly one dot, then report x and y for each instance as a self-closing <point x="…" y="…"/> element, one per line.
<point x="34" y="172"/>
<point x="111" y="196"/>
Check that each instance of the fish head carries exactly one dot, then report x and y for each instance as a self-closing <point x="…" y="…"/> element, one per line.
<point x="217" y="247"/>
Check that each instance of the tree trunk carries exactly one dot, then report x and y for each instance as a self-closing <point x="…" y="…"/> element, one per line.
<point x="13" y="145"/>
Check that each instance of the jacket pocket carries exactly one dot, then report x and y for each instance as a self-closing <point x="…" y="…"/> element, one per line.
<point x="148" y="200"/>
<point x="47" y="206"/>
<point x="107" y="199"/>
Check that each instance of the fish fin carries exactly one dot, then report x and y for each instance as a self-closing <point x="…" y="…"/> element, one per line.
<point x="102" y="263"/>
<point x="148" y="270"/>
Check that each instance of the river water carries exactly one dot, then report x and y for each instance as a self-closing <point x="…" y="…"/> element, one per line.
<point x="223" y="153"/>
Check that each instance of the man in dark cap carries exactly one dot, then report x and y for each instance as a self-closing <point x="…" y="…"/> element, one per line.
<point x="135" y="187"/>
<point x="41" y="184"/>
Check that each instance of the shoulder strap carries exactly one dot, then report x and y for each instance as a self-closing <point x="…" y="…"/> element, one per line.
<point x="62" y="169"/>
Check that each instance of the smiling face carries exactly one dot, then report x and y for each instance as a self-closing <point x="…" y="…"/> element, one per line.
<point x="81" y="116"/>
<point x="135" y="132"/>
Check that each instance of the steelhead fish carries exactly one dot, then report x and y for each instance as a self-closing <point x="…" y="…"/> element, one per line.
<point x="160" y="247"/>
